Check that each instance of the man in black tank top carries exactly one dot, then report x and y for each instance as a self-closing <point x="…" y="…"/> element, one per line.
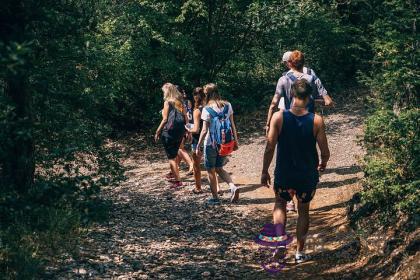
<point x="295" y="132"/>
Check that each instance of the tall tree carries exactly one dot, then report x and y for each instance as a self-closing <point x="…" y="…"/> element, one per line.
<point x="18" y="163"/>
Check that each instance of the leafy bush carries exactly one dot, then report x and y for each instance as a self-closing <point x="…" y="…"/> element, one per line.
<point x="392" y="164"/>
<point x="392" y="133"/>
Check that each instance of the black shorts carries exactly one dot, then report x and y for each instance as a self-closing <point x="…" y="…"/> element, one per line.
<point x="171" y="146"/>
<point x="303" y="196"/>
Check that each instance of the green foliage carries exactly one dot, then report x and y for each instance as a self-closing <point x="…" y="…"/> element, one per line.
<point x="392" y="164"/>
<point x="49" y="116"/>
<point x="75" y="73"/>
<point x="394" y="77"/>
<point x="237" y="44"/>
<point x="392" y="133"/>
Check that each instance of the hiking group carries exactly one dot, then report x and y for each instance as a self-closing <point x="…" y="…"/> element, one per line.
<point x="294" y="129"/>
<point x="209" y="127"/>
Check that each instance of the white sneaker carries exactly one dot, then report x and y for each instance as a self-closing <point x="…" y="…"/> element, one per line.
<point x="301" y="257"/>
<point x="234" y="194"/>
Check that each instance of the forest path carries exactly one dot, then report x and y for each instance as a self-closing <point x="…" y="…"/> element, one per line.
<point x="156" y="233"/>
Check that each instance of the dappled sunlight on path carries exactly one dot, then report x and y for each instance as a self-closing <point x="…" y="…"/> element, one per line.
<point x="156" y="233"/>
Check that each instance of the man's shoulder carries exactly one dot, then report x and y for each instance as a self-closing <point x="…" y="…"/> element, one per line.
<point x="318" y="120"/>
<point x="283" y="78"/>
<point x="278" y="115"/>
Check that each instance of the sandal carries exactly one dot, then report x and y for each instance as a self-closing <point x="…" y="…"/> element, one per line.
<point x="169" y="176"/>
<point x="195" y="191"/>
<point x="176" y="185"/>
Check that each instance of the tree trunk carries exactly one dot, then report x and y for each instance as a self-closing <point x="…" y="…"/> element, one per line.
<point x="19" y="166"/>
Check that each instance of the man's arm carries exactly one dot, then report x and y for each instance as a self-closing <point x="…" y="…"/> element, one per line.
<point x="321" y="90"/>
<point x="273" y="133"/>
<point x="274" y="102"/>
<point x="271" y="110"/>
<point x="321" y="139"/>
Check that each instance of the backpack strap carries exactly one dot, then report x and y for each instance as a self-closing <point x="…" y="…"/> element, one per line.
<point x="212" y="112"/>
<point x="225" y="110"/>
<point x="290" y="81"/>
<point x="291" y="76"/>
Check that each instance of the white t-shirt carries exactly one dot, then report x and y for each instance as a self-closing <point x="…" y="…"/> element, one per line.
<point x="205" y="116"/>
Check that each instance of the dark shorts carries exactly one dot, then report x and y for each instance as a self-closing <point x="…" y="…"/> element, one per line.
<point x="304" y="196"/>
<point x="171" y="146"/>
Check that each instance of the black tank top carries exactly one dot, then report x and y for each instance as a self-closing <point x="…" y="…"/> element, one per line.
<point x="297" y="156"/>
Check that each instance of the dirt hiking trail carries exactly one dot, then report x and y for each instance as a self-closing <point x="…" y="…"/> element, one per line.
<point x="157" y="233"/>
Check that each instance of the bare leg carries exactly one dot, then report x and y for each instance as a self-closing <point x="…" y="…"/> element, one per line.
<point x="178" y="159"/>
<point x="174" y="168"/>
<point x="183" y="154"/>
<point x="225" y="176"/>
<point x="302" y="224"/>
<point x="217" y="179"/>
<point x="197" y="171"/>
<point x="279" y="212"/>
<point x="213" y="182"/>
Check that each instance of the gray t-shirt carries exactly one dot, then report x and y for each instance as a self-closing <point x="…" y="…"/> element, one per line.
<point x="205" y="116"/>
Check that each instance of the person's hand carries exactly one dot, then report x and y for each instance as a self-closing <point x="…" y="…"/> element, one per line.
<point x="322" y="166"/>
<point x="157" y="136"/>
<point x="265" y="179"/>
<point x="235" y="146"/>
<point x="198" y="152"/>
<point x="328" y="102"/>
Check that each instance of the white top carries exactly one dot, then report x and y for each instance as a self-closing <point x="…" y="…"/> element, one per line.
<point x="205" y="116"/>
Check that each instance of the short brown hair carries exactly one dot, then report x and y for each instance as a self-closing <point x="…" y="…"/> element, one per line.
<point x="297" y="59"/>
<point x="301" y="89"/>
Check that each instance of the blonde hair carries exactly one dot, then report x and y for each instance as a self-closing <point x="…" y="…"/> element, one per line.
<point x="172" y="95"/>
<point x="212" y="95"/>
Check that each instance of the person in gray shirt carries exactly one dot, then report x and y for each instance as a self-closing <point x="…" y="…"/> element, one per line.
<point x="282" y="98"/>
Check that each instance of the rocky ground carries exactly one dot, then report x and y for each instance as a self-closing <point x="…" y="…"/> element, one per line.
<point x="157" y="233"/>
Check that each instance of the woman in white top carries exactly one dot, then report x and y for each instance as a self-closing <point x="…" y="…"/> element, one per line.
<point x="213" y="161"/>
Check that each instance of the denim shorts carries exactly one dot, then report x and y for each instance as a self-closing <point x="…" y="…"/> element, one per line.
<point x="212" y="158"/>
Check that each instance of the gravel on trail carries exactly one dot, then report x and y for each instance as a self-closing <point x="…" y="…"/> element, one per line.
<point x="157" y="233"/>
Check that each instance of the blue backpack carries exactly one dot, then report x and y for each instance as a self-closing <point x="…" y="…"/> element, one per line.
<point x="311" y="104"/>
<point x="220" y="127"/>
